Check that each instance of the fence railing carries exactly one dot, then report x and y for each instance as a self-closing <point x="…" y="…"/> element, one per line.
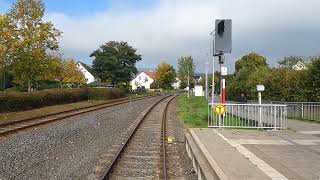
<point x="266" y="116"/>
<point x="302" y="110"/>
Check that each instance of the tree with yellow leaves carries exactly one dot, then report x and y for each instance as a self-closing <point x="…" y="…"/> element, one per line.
<point x="35" y="38"/>
<point x="165" y="75"/>
<point x="7" y="45"/>
<point x="68" y="73"/>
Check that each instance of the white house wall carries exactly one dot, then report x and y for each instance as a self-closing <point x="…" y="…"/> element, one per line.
<point x="141" y="80"/>
<point x="176" y="84"/>
<point x="89" y="77"/>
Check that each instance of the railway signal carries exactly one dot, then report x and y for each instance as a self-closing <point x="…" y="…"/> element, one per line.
<point x="222" y="43"/>
<point x="223" y="36"/>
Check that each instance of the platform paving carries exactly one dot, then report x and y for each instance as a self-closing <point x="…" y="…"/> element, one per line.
<point x="253" y="154"/>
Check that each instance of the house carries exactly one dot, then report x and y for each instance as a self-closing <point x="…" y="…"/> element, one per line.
<point x="143" y="79"/>
<point x="300" y="65"/>
<point x="197" y="78"/>
<point x="176" y="84"/>
<point x="86" y="71"/>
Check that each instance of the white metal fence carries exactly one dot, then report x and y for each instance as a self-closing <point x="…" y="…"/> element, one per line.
<point x="302" y="110"/>
<point x="266" y="116"/>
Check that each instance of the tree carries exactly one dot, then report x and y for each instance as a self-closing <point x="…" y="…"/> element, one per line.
<point x="251" y="70"/>
<point x="249" y="61"/>
<point x="35" y="38"/>
<point x="165" y="75"/>
<point x="64" y="71"/>
<point x="68" y="73"/>
<point x="114" y="62"/>
<point x="313" y="82"/>
<point x="185" y="64"/>
<point x="7" y="46"/>
<point x="285" y="84"/>
<point x="290" y="61"/>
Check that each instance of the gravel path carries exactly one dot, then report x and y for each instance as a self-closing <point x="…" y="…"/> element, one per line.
<point x="179" y="163"/>
<point x="68" y="149"/>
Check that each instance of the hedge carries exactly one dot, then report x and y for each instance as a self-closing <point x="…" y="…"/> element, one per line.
<point x="17" y="101"/>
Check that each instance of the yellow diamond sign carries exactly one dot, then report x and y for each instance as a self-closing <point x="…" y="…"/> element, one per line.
<point x="219" y="109"/>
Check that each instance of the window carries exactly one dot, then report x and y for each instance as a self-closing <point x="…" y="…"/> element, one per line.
<point x="145" y="79"/>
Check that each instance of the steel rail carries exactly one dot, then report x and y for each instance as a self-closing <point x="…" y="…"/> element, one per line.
<point x="164" y="136"/>
<point x="14" y="126"/>
<point x="108" y="171"/>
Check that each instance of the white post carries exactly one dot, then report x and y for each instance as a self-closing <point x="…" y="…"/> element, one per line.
<point x="260" y="108"/>
<point x="302" y="113"/>
<point x="207" y="80"/>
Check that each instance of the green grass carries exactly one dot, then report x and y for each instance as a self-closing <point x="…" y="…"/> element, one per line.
<point x="193" y="111"/>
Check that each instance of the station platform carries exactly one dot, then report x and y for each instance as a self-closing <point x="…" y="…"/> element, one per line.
<point x="254" y="154"/>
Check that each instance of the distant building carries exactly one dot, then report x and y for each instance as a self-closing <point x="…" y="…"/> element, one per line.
<point x="300" y="65"/>
<point x="143" y="79"/>
<point x="198" y="90"/>
<point x="197" y="79"/>
<point x="176" y="84"/>
<point x="87" y="72"/>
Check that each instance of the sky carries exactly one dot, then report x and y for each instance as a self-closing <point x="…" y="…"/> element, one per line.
<point x="164" y="30"/>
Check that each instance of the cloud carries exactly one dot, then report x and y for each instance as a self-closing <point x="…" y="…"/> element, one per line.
<point x="171" y="29"/>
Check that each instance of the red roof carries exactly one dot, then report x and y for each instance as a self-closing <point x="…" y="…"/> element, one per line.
<point x="150" y="74"/>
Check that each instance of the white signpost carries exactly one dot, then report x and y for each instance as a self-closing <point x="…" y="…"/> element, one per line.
<point x="224" y="71"/>
<point x="260" y="88"/>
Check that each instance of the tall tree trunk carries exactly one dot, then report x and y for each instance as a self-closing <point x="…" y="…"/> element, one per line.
<point x="29" y="85"/>
<point x="4" y="78"/>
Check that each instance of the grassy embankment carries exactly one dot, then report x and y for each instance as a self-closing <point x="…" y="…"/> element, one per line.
<point x="193" y="111"/>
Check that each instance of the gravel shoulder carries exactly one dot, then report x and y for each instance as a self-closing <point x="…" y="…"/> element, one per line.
<point x="67" y="149"/>
<point x="179" y="163"/>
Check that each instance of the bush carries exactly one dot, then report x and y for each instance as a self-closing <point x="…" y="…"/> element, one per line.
<point x="17" y="101"/>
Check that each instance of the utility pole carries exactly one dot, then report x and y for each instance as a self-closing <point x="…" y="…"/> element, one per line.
<point x="207" y="63"/>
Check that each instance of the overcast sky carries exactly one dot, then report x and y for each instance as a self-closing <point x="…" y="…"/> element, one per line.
<point x="167" y="29"/>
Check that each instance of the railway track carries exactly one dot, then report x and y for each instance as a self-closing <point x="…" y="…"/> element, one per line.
<point x="14" y="126"/>
<point x="143" y="152"/>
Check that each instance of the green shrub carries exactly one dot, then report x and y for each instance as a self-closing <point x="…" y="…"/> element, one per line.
<point x="17" y="101"/>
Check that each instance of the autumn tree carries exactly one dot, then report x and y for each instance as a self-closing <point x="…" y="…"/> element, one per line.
<point x="68" y="73"/>
<point x="185" y="64"/>
<point x="7" y="46"/>
<point x="165" y="75"/>
<point x="35" y="38"/>
<point x="114" y="62"/>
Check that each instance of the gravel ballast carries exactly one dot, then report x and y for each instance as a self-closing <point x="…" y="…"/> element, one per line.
<point x="179" y="163"/>
<point x="67" y="149"/>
